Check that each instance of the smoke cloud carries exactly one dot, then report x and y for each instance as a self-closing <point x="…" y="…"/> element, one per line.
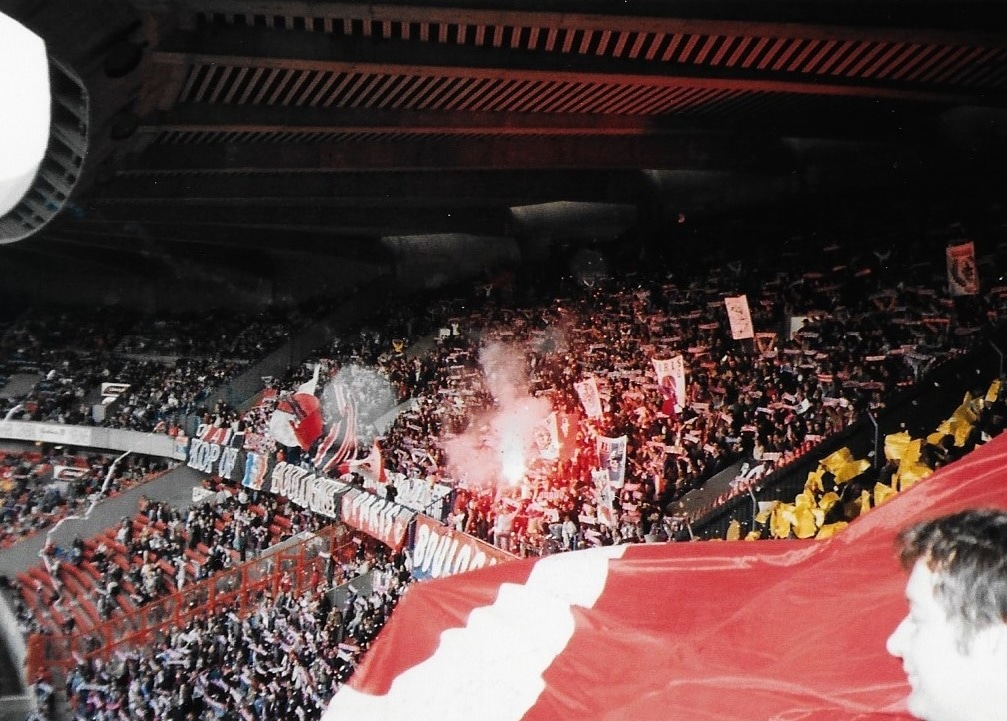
<point x="499" y="444"/>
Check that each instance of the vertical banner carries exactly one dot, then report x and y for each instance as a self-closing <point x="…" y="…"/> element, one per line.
<point x="671" y="381"/>
<point x="740" y="317"/>
<point x="256" y="470"/>
<point x="963" y="276"/>
<point x="612" y="459"/>
<point x="604" y="496"/>
<point x="546" y="436"/>
<point x="589" y="397"/>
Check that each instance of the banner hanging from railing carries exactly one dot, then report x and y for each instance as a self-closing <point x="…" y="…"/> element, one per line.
<point x="439" y="551"/>
<point x="377" y="517"/>
<point x="305" y="489"/>
<point x="215" y="450"/>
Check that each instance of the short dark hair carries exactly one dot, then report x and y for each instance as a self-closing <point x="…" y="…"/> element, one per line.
<point x="967" y="552"/>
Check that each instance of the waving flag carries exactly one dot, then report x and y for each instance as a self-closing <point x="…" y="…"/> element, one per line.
<point x="340" y="442"/>
<point x="587" y="390"/>
<point x="785" y="630"/>
<point x="297" y="420"/>
<point x="371" y="467"/>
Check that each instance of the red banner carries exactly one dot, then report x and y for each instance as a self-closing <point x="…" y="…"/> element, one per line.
<point x="377" y="517"/>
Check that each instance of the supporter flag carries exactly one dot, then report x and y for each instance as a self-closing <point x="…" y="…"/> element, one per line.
<point x="604" y="495"/>
<point x="372" y="467"/>
<point x="256" y="466"/>
<point x="765" y="343"/>
<point x="612" y="459"/>
<point x="217" y="435"/>
<point x="797" y="322"/>
<point x="297" y="420"/>
<point x="340" y="442"/>
<point x="546" y="437"/>
<point x="567" y="424"/>
<point x="765" y="631"/>
<point x="587" y="390"/>
<point x="671" y="381"/>
<point x="740" y="317"/>
<point x="963" y="275"/>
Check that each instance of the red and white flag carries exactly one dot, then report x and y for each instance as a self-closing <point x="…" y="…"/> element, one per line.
<point x="339" y="445"/>
<point x="671" y="382"/>
<point x="648" y="632"/>
<point x="963" y="275"/>
<point x="297" y="420"/>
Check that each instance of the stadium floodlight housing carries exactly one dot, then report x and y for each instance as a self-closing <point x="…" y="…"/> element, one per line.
<point x="24" y="109"/>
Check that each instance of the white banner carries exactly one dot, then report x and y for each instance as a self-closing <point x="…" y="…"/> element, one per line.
<point x="305" y="489"/>
<point x="546" y="437"/>
<point x="740" y="317"/>
<point x="963" y="276"/>
<point x="796" y="323"/>
<point x="589" y="398"/>
<point x="604" y="495"/>
<point x="68" y="473"/>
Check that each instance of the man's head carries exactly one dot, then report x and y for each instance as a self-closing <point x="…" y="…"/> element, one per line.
<point x="953" y="642"/>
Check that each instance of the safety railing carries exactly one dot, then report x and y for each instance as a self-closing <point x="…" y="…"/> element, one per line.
<point x="292" y="567"/>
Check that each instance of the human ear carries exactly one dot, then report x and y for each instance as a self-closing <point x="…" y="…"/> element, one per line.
<point x="990" y="644"/>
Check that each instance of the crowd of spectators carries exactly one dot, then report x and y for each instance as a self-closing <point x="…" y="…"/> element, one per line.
<point x="39" y="487"/>
<point x="159" y="552"/>
<point x="162" y="367"/>
<point x="837" y="335"/>
<point x="284" y="661"/>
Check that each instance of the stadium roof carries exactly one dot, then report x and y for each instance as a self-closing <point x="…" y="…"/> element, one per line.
<point x="323" y="126"/>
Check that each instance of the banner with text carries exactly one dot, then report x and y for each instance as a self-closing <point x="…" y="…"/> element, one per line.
<point x="303" y="488"/>
<point x="215" y="451"/>
<point x="377" y="517"/>
<point x="439" y="551"/>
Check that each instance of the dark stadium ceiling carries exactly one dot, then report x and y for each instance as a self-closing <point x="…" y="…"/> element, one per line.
<point x="322" y="126"/>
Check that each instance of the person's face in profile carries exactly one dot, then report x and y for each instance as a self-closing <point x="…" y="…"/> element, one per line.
<point x="947" y="682"/>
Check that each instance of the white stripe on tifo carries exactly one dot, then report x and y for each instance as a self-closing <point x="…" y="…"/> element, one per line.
<point x="492" y="668"/>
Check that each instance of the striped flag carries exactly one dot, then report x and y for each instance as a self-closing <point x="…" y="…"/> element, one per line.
<point x="339" y="444"/>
